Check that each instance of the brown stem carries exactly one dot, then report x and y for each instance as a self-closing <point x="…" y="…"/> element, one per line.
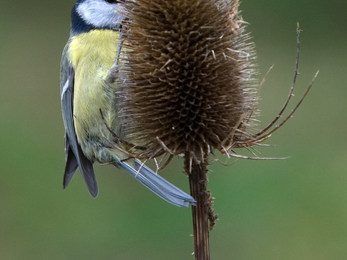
<point x="198" y="190"/>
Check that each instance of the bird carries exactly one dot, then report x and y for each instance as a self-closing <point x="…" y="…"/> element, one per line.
<point x="88" y="87"/>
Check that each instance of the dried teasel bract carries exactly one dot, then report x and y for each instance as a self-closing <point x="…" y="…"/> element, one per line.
<point x="187" y="77"/>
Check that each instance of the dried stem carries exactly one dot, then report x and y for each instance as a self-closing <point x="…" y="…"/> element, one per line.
<point x="202" y="213"/>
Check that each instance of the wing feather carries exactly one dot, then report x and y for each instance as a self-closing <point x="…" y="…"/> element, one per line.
<point x="74" y="154"/>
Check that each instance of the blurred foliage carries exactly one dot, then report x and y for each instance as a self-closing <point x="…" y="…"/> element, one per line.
<point x="286" y="209"/>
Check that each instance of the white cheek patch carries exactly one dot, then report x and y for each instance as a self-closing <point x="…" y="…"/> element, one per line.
<point x="100" y="13"/>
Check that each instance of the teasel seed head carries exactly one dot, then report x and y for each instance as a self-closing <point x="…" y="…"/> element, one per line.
<point x="187" y="78"/>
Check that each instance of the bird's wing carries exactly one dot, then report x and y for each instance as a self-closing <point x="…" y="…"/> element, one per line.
<point x="74" y="155"/>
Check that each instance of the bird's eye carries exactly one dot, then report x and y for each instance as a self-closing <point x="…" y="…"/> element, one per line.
<point x="112" y="1"/>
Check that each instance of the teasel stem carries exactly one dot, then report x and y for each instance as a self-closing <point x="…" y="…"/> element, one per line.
<point x="197" y="173"/>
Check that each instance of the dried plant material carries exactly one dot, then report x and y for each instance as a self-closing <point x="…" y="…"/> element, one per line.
<point x="188" y="77"/>
<point x="188" y="88"/>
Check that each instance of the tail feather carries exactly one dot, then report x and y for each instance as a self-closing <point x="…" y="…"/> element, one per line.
<point x="157" y="184"/>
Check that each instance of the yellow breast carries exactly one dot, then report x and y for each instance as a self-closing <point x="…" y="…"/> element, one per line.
<point x="92" y="54"/>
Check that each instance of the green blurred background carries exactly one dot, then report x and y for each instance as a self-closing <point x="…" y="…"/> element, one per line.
<point x="286" y="209"/>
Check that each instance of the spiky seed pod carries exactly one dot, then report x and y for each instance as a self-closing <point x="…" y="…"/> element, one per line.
<point x="187" y="76"/>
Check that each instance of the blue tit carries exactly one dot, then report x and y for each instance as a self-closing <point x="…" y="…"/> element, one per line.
<point x="87" y="87"/>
